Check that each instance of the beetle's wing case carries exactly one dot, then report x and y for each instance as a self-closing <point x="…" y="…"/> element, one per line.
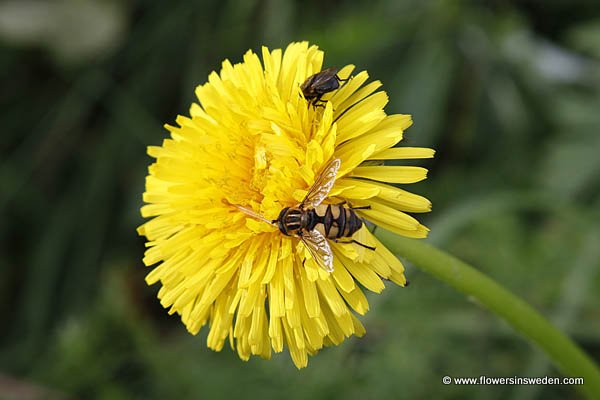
<point x="319" y="248"/>
<point x="322" y="186"/>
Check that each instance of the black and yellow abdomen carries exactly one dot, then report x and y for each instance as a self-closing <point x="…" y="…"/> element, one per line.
<point x="333" y="221"/>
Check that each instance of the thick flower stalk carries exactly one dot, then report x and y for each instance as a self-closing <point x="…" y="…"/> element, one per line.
<point x="254" y="141"/>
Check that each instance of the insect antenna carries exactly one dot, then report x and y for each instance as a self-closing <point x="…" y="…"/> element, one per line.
<point x="253" y="214"/>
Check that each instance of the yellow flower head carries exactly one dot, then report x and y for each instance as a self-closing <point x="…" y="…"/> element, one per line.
<point x="254" y="142"/>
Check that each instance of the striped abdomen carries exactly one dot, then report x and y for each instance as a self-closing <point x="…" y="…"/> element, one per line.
<point x="334" y="221"/>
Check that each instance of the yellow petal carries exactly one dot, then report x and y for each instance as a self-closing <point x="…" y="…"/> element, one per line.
<point x="403" y="153"/>
<point x="391" y="174"/>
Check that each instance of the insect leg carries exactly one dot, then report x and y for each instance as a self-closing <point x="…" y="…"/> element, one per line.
<point x="361" y="208"/>
<point x="354" y="241"/>
<point x="363" y="245"/>
<point x="304" y="259"/>
<point x="318" y="102"/>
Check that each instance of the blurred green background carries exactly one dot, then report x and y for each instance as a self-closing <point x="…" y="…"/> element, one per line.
<point x="507" y="93"/>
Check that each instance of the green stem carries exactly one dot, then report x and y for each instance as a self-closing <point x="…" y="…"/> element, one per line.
<point x="571" y="360"/>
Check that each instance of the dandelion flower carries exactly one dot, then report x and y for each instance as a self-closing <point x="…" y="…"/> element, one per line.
<point x="254" y="141"/>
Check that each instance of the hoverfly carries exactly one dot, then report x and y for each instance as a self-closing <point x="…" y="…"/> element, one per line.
<point x="313" y="223"/>
<point x="315" y="86"/>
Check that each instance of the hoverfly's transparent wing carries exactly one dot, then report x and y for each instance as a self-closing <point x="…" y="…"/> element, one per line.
<point x="319" y="248"/>
<point x="322" y="186"/>
<point x="253" y="214"/>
